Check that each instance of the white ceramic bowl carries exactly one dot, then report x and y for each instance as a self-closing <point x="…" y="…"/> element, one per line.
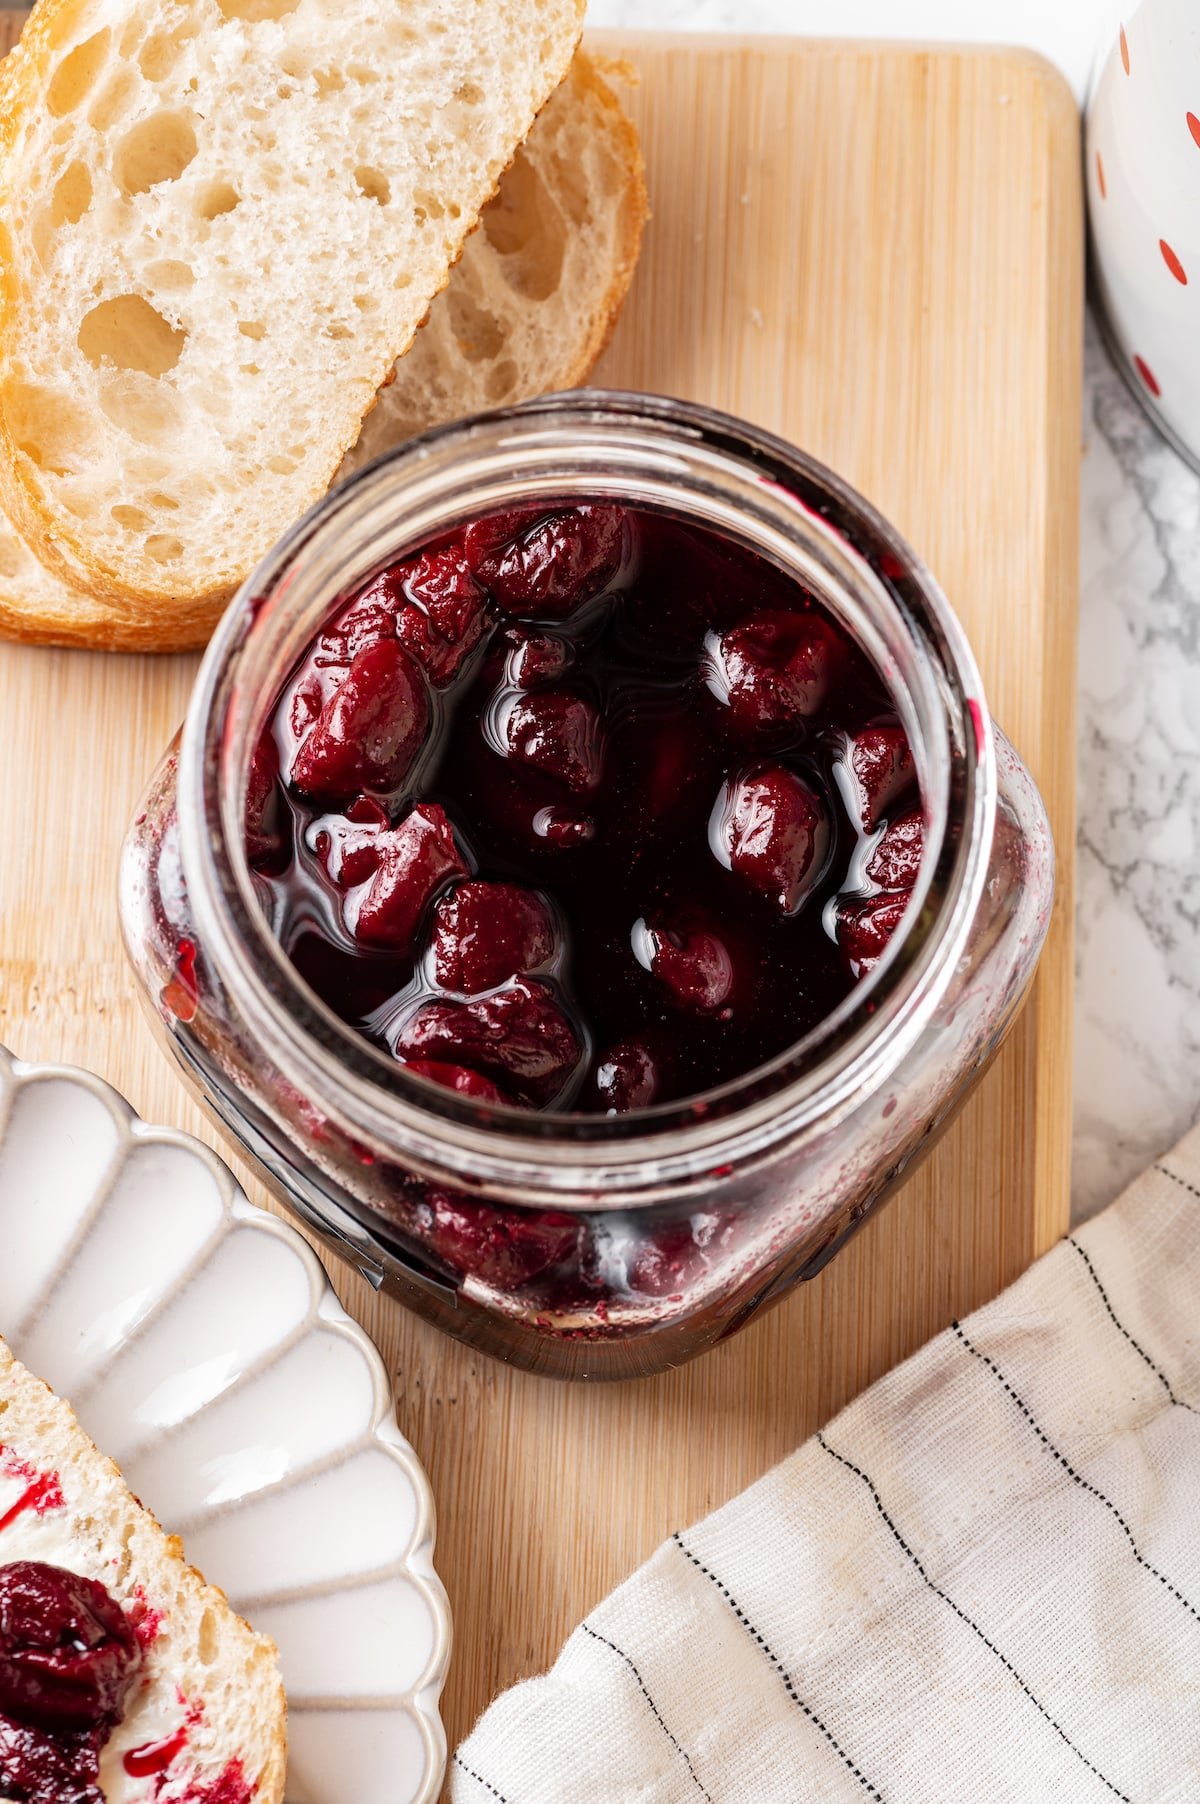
<point x="204" y="1350"/>
<point x="1143" y="191"/>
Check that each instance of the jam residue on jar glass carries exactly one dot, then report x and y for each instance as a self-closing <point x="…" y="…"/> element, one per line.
<point x="583" y="809"/>
<point x="68" y="1657"/>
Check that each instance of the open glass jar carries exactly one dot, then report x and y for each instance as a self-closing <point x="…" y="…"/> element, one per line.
<point x="591" y="1245"/>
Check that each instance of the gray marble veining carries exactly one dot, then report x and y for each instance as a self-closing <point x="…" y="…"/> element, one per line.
<point x="1137" y="1059"/>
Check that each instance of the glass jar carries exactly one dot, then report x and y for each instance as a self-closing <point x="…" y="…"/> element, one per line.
<point x="587" y="1246"/>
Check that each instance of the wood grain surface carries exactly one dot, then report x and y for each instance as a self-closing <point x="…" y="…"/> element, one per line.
<point x="877" y="253"/>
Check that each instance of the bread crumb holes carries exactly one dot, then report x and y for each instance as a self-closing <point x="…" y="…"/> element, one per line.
<point x="128" y="332"/>
<point x="75" y="76"/>
<point x="373" y="184"/>
<point x="157" y="149"/>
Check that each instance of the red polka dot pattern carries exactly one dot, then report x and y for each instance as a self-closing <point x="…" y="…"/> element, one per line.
<point x="1194" y="126"/>
<point x="1124" y="51"/>
<point x="1172" y="262"/>
<point x="1147" y="374"/>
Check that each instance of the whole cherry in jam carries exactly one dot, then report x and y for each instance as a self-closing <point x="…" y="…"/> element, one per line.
<point x="771" y="828"/>
<point x="502" y="1247"/>
<point x="518" y="1035"/>
<point x="556" y="732"/>
<point x="627" y="1077"/>
<point x="881" y="770"/>
<point x="485" y="933"/>
<point x="775" y="669"/>
<point x="415" y="860"/>
<point x="689" y="959"/>
<point x="583" y="807"/>
<point x="545" y="566"/>
<point x="369" y="731"/>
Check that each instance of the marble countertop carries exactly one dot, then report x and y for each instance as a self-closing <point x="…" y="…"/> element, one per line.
<point x="1137" y="1011"/>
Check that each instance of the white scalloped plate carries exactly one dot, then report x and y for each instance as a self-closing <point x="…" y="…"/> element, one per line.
<point x="204" y="1350"/>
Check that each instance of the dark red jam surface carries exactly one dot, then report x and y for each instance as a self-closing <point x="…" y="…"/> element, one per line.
<point x="68" y="1656"/>
<point x="584" y="809"/>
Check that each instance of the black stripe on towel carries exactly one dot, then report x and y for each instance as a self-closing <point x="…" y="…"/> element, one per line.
<point x="1077" y="1477"/>
<point x="1120" y="1326"/>
<point x="620" y="1652"/>
<point x="788" y="1686"/>
<point x="1176" y="1179"/>
<point x="462" y="1766"/>
<point x="963" y="1617"/>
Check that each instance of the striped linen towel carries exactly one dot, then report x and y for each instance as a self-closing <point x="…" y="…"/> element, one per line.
<point x="980" y="1582"/>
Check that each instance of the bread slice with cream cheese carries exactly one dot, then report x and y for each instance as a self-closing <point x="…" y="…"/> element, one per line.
<point x="206" y="1717"/>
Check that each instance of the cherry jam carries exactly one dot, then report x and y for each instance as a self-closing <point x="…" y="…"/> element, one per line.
<point x="68" y="1658"/>
<point x="583" y="809"/>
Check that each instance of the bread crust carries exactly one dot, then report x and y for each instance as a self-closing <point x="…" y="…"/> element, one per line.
<point x="57" y="1420"/>
<point x="24" y="77"/>
<point x="635" y="212"/>
<point x="83" y="617"/>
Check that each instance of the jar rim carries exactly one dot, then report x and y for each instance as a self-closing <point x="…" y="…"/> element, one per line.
<point x="640" y="449"/>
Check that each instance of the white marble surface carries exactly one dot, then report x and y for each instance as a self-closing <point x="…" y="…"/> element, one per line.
<point x="1138" y="911"/>
<point x="1137" y="1052"/>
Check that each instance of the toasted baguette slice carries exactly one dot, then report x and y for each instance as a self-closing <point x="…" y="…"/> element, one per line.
<point x="223" y="222"/>
<point x="537" y="293"/>
<point x="528" y="308"/>
<point x="38" y="607"/>
<point x="204" y="1672"/>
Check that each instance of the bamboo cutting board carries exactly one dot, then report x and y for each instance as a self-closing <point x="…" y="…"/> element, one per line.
<point x="876" y="252"/>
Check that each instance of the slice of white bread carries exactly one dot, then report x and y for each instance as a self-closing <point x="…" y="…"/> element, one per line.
<point x="223" y="220"/>
<point x="528" y="308"/>
<point x="203" y="1670"/>
<point x="534" y="300"/>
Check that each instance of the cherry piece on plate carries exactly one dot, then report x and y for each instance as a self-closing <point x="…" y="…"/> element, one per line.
<point x="370" y="729"/>
<point x="485" y="933"/>
<point x="774" y="669"/>
<point x="881" y="770"/>
<point x="627" y="1077"/>
<point x="690" y="961"/>
<point x="558" y="733"/>
<point x="896" y="860"/>
<point x="518" y="1034"/>
<point x="504" y="1248"/>
<point x="547" y="568"/>
<point x="416" y="859"/>
<point x="770" y="828"/>
<point x="68" y="1653"/>
<point x="865" y="929"/>
<point x="458" y="1078"/>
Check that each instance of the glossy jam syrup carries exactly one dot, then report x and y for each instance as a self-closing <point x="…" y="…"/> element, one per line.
<point x="584" y="810"/>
